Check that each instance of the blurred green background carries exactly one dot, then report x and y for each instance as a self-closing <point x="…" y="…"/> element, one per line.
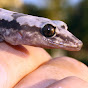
<point x="73" y="12"/>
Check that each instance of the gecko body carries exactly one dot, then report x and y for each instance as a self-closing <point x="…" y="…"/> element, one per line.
<point x="22" y="29"/>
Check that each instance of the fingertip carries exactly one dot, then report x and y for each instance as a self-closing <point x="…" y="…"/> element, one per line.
<point x="69" y="82"/>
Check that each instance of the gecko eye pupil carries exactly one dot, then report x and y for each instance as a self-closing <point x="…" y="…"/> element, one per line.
<point x="48" y="30"/>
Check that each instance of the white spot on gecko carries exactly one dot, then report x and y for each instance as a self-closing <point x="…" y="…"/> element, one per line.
<point x="34" y="21"/>
<point x="6" y="15"/>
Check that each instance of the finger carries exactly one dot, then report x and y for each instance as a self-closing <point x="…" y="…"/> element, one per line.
<point x="18" y="61"/>
<point x="69" y="82"/>
<point x="53" y="70"/>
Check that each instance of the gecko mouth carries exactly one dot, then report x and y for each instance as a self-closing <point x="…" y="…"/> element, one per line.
<point x="65" y="46"/>
<point x="71" y="47"/>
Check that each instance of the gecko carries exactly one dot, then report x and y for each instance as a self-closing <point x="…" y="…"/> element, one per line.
<point x="23" y="29"/>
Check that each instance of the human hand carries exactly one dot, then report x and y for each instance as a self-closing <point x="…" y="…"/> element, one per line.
<point x="17" y="62"/>
<point x="63" y="72"/>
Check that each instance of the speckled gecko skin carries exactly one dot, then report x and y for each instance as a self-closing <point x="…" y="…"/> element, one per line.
<point x="22" y="29"/>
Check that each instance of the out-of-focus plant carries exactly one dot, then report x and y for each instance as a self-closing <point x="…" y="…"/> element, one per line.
<point x="11" y="4"/>
<point x="78" y="24"/>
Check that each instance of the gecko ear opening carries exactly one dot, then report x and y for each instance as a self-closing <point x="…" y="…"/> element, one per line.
<point x="48" y="30"/>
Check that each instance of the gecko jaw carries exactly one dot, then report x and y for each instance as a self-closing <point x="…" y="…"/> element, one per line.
<point x="65" y="46"/>
<point x="73" y="47"/>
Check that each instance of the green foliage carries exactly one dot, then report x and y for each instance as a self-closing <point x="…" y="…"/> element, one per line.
<point x="78" y="25"/>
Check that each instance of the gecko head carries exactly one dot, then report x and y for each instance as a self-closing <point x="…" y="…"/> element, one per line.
<point x="56" y="35"/>
<point x="43" y="32"/>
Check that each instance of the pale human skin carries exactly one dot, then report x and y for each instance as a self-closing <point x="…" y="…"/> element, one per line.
<point x="38" y="70"/>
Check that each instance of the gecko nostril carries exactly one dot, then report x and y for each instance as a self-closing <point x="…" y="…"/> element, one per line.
<point x="63" y="27"/>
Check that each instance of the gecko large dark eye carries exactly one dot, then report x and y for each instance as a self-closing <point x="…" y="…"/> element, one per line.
<point x="48" y="30"/>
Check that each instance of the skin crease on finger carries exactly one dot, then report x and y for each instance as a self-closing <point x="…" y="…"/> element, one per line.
<point x="69" y="82"/>
<point x="53" y="70"/>
<point x="18" y="61"/>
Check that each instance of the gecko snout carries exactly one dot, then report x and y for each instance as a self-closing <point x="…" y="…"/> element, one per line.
<point x="79" y="45"/>
<point x="75" y="46"/>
